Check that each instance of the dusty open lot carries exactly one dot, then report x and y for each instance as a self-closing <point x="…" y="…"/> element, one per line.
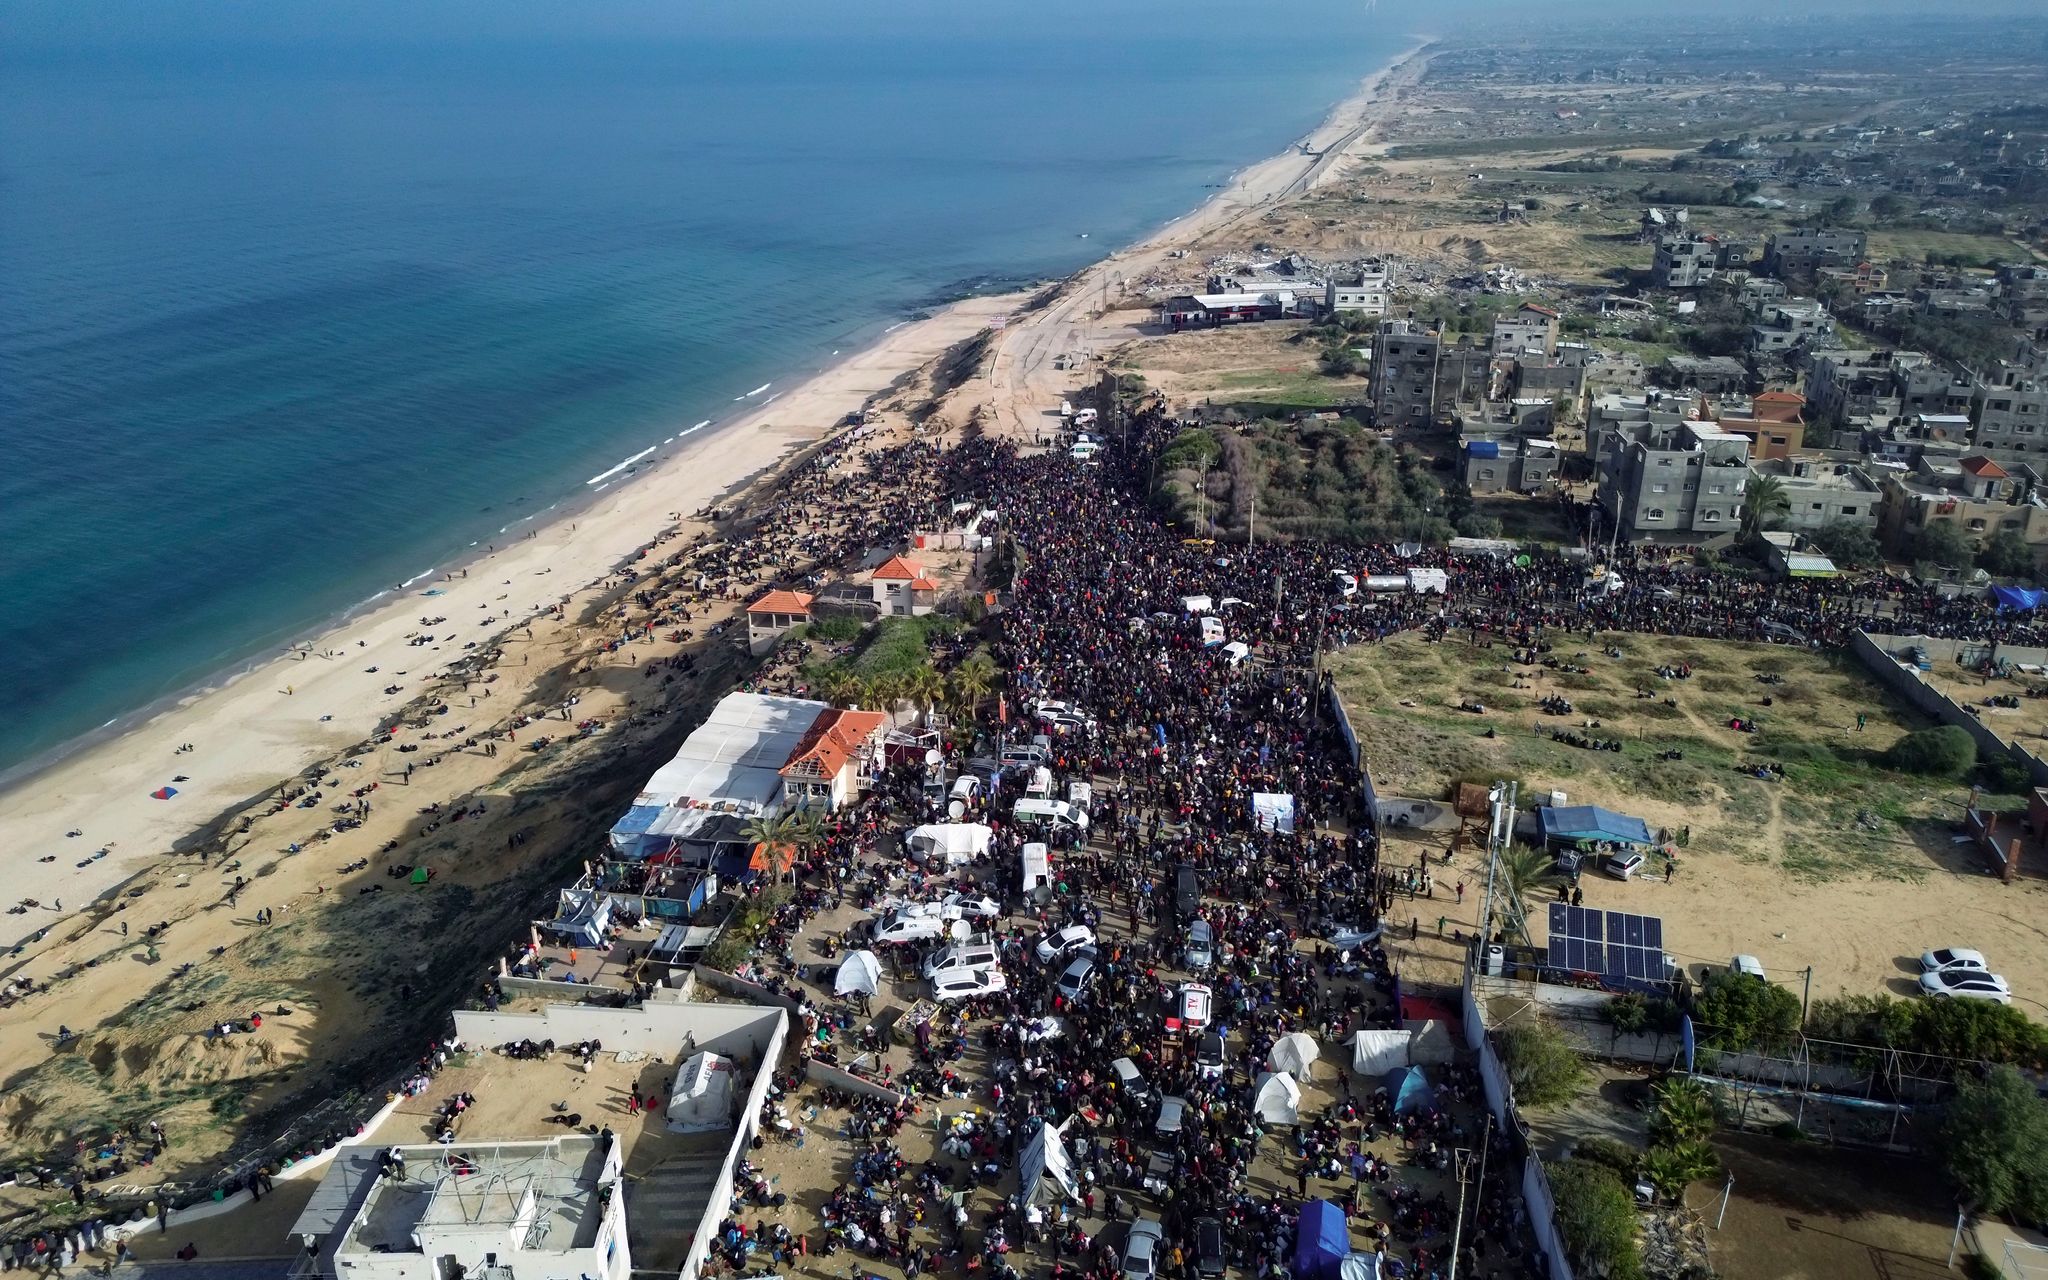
<point x="1809" y="1212"/>
<point x="1843" y="866"/>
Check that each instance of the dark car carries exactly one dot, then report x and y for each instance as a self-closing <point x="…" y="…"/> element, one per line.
<point x="1187" y="893"/>
<point x="1208" y="1247"/>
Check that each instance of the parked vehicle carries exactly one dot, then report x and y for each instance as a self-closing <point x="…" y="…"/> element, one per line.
<point x="1749" y="965"/>
<point x="1075" y="979"/>
<point x="1141" y="1249"/>
<point x="1623" y="865"/>
<point x="974" y="954"/>
<point x="1209" y="1258"/>
<point x="1965" y="984"/>
<point x="1201" y="948"/>
<point x="969" y="906"/>
<point x="947" y="844"/>
<point x="964" y="984"/>
<point x="1058" y="946"/>
<point x="1131" y="1080"/>
<point x="1957" y="958"/>
<point x="1050" y="815"/>
<point x="906" y="926"/>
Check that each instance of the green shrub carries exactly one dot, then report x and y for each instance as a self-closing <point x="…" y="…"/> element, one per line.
<point x="1993" y="1142"/>
<point x="1542" y="1067"/>
<point x="1625" y="1160"/>
<point x="1737" y="1011"/>
<point x="1945" y="751"/>
<point x="2004" y="775"/>
<point x="1596" y="1212"/>
<point x="838" y="628"/>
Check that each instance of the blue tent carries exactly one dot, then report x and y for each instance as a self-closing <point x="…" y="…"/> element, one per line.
<point x="1591" y="822"/>
<point x="1321" y="1241"/>
<point x="1409" y="1089"/>
<point x="2017" y="599"/>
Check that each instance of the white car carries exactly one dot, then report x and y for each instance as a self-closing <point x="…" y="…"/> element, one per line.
<point x="903" y="926"/>
<point x="1077" y="976"/>
<point x="1073" y="938"/>
<point x="977" y="905"/>
<point x="1141" y="1249"/>
<point x="1747" y="964"/>
<point x="1201" y="948"/>
<point x="1953" y="959"/>
<point x="1966" y="985"/>
<point x="964" y="983"/>
<point x="1194" y="1006"/>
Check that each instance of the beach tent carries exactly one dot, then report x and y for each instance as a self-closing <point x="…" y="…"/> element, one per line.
<point x="1045" y="1157"/>
<point x="581" y="919"/>
<point x="1409" y="1089"/>
<point x="701" y="1099"/>
<point x="420" y="875"/>
<point x="2017" y="599"/>
<point x="1375" y="1053"/>
<point x="1277" y="1099"/>
<point x="1321" y="1242"/>
<point x="1273" y="811"/>
<point x="860" y="972"/>
<point x="1197" y="604"/>
<point x="1430" y="1042"/>
<point x="163" y="793"/>
<point x="1428" y="581"/>
<point x="1293" y="1053"/>
<point x="1591" y="822"/>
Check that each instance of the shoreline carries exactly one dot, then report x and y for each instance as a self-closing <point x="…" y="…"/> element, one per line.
<point x="590" y="494"/>
<point x="78" y="786"/>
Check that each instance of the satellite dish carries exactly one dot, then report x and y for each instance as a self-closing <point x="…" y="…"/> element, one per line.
<point x="961" y="931"/>
<point x="956" y="810"/>
<point x="933" y="758"/>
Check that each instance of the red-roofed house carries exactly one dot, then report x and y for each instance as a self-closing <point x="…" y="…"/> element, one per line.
<point x="772" y="615"/>
<point x="902" y="589"/>
<point x="827" y="767"/>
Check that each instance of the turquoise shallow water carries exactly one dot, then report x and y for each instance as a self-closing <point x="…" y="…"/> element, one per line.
<point x="286" y="323"/>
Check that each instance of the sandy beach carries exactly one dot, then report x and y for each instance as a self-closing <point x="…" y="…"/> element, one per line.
<point x="287" y="911"/>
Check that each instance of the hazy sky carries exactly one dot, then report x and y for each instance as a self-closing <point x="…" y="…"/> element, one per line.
<point x="85" y="24"/>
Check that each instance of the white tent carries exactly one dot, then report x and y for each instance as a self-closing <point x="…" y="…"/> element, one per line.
<point x="1045" y="1156"/>
<point x="1293" y="1054"/>
<point x="1197" y="604"/>
<point x="1430" y="1043"/>
<point x="1359" y="1266"/>
<point x="859" y="972"/>
<point x="1273" y="811"/>
<point x="1428" y="581"/>
<point x="701" y="1099"/>
<point x="1278" y="1099"/>
<point x="1374" y="1053"/>
<point x="1237" y="651"/>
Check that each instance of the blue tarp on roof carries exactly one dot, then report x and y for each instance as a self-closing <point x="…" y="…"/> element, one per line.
<point x="1591" y="822"/>
<point x="1483" y="448"/>
<point x="1321" y="1241"/>
<point x="637" y="820"/>
<point x="2018" y="599"/>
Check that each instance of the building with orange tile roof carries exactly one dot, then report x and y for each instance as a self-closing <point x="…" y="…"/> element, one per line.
<point x="902" y="588"/>
<point x="774" y="614"/>
<point x="826" y="767"/>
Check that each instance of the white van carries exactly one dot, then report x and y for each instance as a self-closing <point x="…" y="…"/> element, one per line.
<point x="1037" y="878"/>
<point x="1084" y="452"/>
<point x="1052" y="815"/>
<point x="1040" y="786"/>
<point x="966" y="796"/>
<point x="976" y="953"/>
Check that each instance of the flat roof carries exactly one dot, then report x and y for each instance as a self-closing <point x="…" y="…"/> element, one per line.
<point x="545" y="1191"/>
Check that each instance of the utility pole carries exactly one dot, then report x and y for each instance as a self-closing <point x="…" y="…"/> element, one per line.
<point x="1251" y="538"/>
<point x="1464" y="1159"/>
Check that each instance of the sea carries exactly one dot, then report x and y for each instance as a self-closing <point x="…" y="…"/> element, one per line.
<point x="299" y="302"/>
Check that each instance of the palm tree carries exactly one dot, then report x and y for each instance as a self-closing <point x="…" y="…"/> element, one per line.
<point x="808" y="831"/>
<point x="776" y="836"/>
<point x="1673" y="1168"/>
<point x="1523" y="871"/>
<point x="884" y="691"/>
<point x="1763" y="500"/>
<point x="838" y="686"/>
<point x="972" y="681"/>
<point x="925" y="687"/>
<point x="1684" y="1111"/>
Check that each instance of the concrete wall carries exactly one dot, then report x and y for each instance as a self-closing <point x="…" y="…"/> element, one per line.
<point x="720" y="980"/>
<point x="750" y="1119"/>
<point x="1500" y="1100"/>
<point x="1875" y="651"/>
<point x="661" y="1026"/>
<point x="1366" y="793"/>
<point x="831" y="1077"/>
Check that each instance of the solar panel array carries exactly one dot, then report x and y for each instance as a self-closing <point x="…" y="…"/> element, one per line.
<point x="1622" y="949"/>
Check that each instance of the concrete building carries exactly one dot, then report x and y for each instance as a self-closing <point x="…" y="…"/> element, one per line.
<point x="1978" y="496"/>
<point x="774" y="615"/>
<point x="829" y="766"/>
<point x="1531" y="331"/>
<point x="1674" y="482"/>
<point x="1404" y="360"/>
<point x="1611" y="414"/>
<point x="536" y="1210"/>
<point x="2023" y="298"/>
<point x="2010" y="404"/>
<point x="1714" y="375"/>
<point x="1364" y="293"/>
<point x="1212" y="310"/>
<point x="1687" y="260"/>
<point x="1821" y="491"/>
<point x="1809" y="250"/>
<point x="1508" y="464"/>
<point x="1783" y="324"/>
<point x="902" y="589"/>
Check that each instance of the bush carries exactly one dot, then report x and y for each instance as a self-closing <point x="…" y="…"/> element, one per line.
<point x="1945" y="751"/>
<point x="2004" y="775"/>
<point x="1671" y="1169"/>
<point x="838" y="627"/>
<point x="1542" y="1068"/>
<point x="1737" y="1012"/>
<point x="1596" y="1212"/>
<point x="1611" y="1153"/>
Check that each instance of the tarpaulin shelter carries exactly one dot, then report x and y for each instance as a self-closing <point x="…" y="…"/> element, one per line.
<point x="580" y="919"/>
<point x="1293" y="1053"/>
<point x="860" y="972"/>
<point x="2017" y="599"/>
<point x="1361" y="1266"/>
<point x="1591" y="822"/>
<point x="1045" y="1156"/>
<point x="1431" y="1043"/>
<point x="1273" y="811"/>
<point x="1322" y="1241"/>
<point x="701" y="1099"/>
<point x="1409" y="1089"/>
<point x="163" y="793"/>
<point x="420" y="875"/>
<point x="1375" y="1053"/>
<point x="1276" y="1098"/>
